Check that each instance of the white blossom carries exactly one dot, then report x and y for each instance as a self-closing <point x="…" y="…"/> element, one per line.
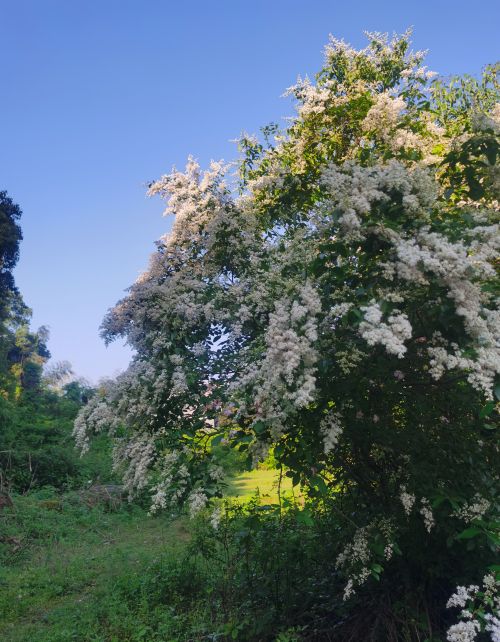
<point x="426" y="512"/>
<point x="407" y="499"/>
<point x="473" y="509"/>
<point x="215" y="518"/>
<point x="391" y="335"/>
<point x="493" y="626"/>
<point x="197" y="501"/>
<point x="463" y="631"/>
<point x="462" y="596"/>
<point x="331" y="429"/>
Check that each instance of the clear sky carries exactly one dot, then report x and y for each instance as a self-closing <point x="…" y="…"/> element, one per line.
<point x="98" y="97"/>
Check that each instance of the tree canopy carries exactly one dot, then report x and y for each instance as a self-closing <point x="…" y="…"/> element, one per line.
<point x="10" y="237"/>
<point x="338" y="307"/>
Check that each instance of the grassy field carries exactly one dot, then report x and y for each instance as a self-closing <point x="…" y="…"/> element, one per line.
<point x="69" y="573"/>
<point x="64" y="568"/>
<point x="263" y="481"/>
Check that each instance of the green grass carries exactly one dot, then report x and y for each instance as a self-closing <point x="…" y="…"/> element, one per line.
<point x="73" y="573"/>
<point x="263" y="481"/>
<point x="67" y="571"/>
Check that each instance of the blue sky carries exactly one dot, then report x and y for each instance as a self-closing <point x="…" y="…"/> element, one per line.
<point x="98" y="97"/>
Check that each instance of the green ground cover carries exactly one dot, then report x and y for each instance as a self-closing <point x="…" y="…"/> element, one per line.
<point x="264" y="481"/>
<point x="73" y="573"/>
<point x="64" y="570"/>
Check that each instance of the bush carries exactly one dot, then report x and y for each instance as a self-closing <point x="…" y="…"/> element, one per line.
<point x="37" y="448"/>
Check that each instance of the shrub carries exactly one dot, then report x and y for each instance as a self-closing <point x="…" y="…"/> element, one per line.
<point x="339" y="306"/>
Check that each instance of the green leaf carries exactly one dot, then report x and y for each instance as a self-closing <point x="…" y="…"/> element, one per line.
<point x="487" y="409"/>
<point x="494" y="539"/>
<point x="279" y="450"/>
<point x="491" y="153"/>
<point x="319" y="483"/>
<point x="468" y="533"/>
<point x="438" y="501"/>
<point x="259" y="427"/>
<point x="304" y="517"/>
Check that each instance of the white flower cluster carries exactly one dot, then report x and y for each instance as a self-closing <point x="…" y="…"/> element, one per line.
<point x="189" y="197"/>
<point x="407" y="499"/>
<point x="287" y="370"/>
<point x="331" y="429"/>
<point x="462" y="595"/>
<point x="316" y="99"/>
<point x="138" y="452"/>
<point x="355" y="190"/>
<point x="475" y="602"/>
<point x="266" y="181"/>
<point x="355" y="553"/>
<point x="457" y="266"/>
<point x="386" y="528"/>
<point x="349" y="359"/>
<point x="493" y="626"/>
<point x="216" y="473"/>
<point x="491" y="588"/>
<point x="179" y="384"/>
<point x="483" y="122"/>
<point x="197" y="501"/>
<point x="96" y="416"/>
<point x="391" y="335"/>
<point x="340" y="309"/>
<point x="427" y="514"/>
<point x="421" y="72"/>
<point x="463" y="631"/>
<point x="390" y="121"/>
<point x="474" y="509"/>
<point x="172" y="484"/>
<point x="216" y="517"/>
<point x="384" y="115"/>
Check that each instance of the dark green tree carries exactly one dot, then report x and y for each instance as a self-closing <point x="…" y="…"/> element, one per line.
<point x="10" y="237"/>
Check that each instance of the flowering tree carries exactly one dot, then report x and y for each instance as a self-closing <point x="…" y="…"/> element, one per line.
<point x="338" y="306"/>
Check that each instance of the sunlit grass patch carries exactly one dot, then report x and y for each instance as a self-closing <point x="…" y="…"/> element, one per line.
<point x="264" y="481"/>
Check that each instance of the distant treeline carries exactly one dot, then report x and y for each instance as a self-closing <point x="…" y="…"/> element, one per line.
<point x="37" y="408"/>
